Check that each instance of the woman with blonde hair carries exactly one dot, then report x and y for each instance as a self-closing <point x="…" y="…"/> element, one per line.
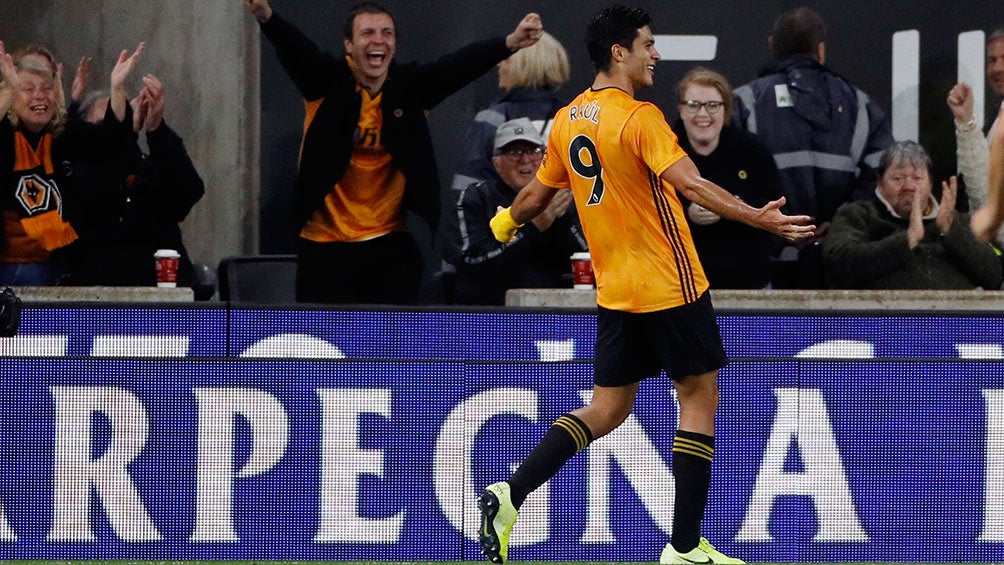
<point x="45" y="159"/>
<point x="531" y="77"/>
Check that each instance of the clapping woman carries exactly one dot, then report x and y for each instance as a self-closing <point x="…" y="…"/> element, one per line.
<point x="41" y="154"/>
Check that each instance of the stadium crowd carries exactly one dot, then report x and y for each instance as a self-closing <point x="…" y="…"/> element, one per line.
<point x="800" y="131"/>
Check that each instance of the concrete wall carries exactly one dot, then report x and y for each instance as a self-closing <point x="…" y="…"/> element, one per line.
<point x="207" y="55"/>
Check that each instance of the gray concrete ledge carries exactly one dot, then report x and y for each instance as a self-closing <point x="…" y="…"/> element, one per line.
<point x="103" y="294"/>
<point x="822" y="300"/>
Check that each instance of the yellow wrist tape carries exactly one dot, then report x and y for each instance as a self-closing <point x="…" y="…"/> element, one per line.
<point x="503" y="226"/>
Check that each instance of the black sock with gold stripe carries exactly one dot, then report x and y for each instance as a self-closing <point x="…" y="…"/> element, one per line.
<point x="692" y="454"/>
<point x="567" y="436"/>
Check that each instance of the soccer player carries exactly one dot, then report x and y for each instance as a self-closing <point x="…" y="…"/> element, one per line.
<point x="623" y="165"/>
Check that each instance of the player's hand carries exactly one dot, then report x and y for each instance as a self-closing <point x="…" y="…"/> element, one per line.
<point x="792" y="228"/>
<point x="503" y="226"/>
<point x="557" y="208"/>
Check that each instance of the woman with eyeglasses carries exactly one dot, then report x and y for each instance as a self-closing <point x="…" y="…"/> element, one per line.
<point x="733" y="255"/>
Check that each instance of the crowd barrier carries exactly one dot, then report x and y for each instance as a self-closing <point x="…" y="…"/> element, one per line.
<point x="212" y="431"/>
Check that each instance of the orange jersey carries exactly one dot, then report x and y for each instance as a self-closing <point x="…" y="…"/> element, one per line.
<point x="366" y="201"/>
<point x="610" y="150"/>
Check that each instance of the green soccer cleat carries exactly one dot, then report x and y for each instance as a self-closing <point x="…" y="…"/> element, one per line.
<point x="703" y="553"/>
<point x="715" y="555"/>
<point x="497" y="517"/>
<point x="670" y="556"/>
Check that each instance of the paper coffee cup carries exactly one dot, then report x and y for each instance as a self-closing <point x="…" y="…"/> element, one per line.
<point x="582" y="271"/>
<point x="166" y="263"/>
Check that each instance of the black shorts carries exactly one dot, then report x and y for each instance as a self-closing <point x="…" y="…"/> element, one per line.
<point x="683" y="341"/>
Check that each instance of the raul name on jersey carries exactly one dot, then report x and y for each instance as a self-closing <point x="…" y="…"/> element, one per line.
<point x="589" y="112"/>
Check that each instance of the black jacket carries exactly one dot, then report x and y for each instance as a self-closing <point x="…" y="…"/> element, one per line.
<point x="486" y="267"/>
<point x="410" y="90"/>
<point x="733" y="254"/>
<point x="128" y="220"/>
<point x="81" y="153"/>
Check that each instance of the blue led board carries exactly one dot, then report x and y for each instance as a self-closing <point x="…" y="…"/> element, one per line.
<point x="848" y="439"/>
<point x="488" y="336"/>
<point x="119" y="332"/>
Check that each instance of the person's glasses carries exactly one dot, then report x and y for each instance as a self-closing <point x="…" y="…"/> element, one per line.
<point x="693" y="106"/>
<point x="514" y="155"/>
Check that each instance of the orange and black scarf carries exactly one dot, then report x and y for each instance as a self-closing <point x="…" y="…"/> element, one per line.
<point x="37" y="198"/>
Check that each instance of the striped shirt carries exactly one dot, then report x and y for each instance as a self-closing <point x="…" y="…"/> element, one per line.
<point x="610" y="150"/>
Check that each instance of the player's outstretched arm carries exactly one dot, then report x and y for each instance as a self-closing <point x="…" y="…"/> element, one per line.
<point x="685" y="177"/>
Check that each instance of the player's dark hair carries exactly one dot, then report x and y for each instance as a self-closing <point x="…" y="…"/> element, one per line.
<point x="364" y="8"/>
<point x="797" y="32"/>
<point x="616" y="25"/>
